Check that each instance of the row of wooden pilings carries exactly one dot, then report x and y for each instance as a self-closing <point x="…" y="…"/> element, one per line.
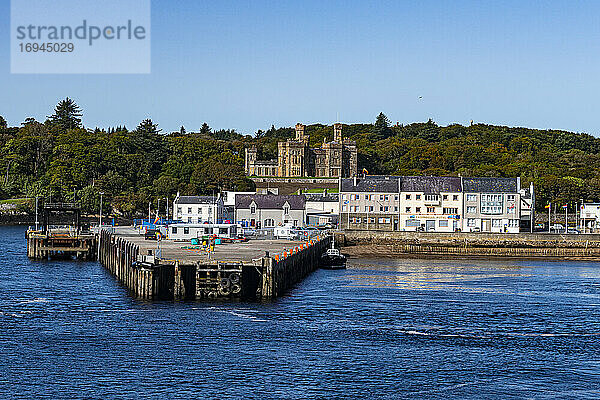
<point x="119" y="257"/>
<point x="278" y="275"/>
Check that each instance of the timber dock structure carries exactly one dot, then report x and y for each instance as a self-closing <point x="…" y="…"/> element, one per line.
<point x="170" y="270"/>
<point x="61" y="234"/>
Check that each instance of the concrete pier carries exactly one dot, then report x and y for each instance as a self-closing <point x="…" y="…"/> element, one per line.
<point x="259" y="269"/>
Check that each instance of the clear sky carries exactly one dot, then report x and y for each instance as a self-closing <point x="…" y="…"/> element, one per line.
<point x="249" y="64"/>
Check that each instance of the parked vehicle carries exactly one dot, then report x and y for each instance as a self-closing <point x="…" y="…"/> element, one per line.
<point x="151" y="234"/>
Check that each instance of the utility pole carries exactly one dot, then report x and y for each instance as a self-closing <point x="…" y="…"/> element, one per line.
<point x="566" y="217"/>
<point x="100" y="222"/>
<point x="100" y="226"/>
<point x="549" y="212"/>
<point x="149" y="212"/>
<point x="36" y="214"/>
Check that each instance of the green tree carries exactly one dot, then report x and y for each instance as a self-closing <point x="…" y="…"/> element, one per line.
<point x="3" y="124"/>
<point x="67" y="115"/>
<point x="382" y="127"/>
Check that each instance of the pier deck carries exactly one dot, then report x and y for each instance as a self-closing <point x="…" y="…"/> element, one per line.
<point x="229" y="252"/>
<point x="258" y="269"/>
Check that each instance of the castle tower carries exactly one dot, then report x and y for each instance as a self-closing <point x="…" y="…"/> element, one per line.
<point x="300" y="136"/>
<point x="250" y="159"/>
<point x="337" y="132"/>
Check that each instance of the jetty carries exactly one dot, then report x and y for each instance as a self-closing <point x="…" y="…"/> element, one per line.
<point x="174" y="270"/>
<point x="61" y="234"/>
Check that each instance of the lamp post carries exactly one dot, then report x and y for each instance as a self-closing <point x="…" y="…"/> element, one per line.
<point x="100" y="225"/>
<point x="100" y="222"/>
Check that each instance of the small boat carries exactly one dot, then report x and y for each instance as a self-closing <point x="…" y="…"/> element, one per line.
<point x="333" y="259"/>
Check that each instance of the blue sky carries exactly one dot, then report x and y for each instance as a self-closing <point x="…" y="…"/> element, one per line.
<point x="249" y="64"/>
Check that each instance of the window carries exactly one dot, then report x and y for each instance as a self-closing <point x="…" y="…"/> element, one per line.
<point x="431" y="210"/>
<point x="199" y="210"/>
<point x="455" y="197"/>
<point x="380" y="197"/>
<point x="491" y="204"/>
<point x="189" y="219"/>
<point x="371" y="208"/>
<point x="511" y="209"/>
<point x="408" y="197"/>
<point x="366" y="208"/>
<point x="174" y="229"/>
<point x="189" y="210"/>
<point x="179" y="210"/>
<point x="222" y="231"/>
<point x="418" y="197"/>
<point x="396" y="208"/>
<point x="445" y="197"/>
<point x="471" y="209"/>
<point x="384" y="220"/>
<point x="510" y="197"/>
<point x="396" y="197"/>
<point x="386" y="208"/>
<point x="199" y="220"/>
<point x="380" y="208"/>
<point x="252" y="210"/>
<point x="344" y="208"/>
<point x="418" y="209"/>
<point x="407" y="209"/>
<point x="269" y="222"/>
<point x="371" y="220"/>
<point x="387" y="197"/>
<point x="210" y="210"/>
<point x="496" y="223"/>
<point x="443" y="223"/>
<point x="286" y="210"/>
<point x="471" y="222"/>
<point x="450" y="210"/>
<point x="513" y="223"/>
<point x="432" y="197"/>
<point x="186" y="230"/>
<point x="412" y="223"/>
<point x="471" y="197"/>
<point x="344" y="197"/>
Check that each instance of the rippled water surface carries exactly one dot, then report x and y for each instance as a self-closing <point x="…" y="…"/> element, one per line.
<point x="381" y="329"/>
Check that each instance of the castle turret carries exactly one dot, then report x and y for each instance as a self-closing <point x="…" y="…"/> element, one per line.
<point x="250" y="159"/>
<point x="337" y="132"/>
<point x="300" y="136"/>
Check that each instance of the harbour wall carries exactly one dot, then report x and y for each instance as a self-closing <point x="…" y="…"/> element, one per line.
<point x="489" y="245"/>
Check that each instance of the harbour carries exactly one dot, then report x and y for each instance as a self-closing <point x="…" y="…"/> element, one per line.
<point x="427" y="328"/>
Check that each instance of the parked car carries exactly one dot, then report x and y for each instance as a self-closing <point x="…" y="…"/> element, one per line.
<point x="151" y="234"/>
<point x="573" y="231"/>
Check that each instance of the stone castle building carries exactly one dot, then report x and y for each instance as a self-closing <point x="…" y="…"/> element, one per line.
<point x="334" y="159"/>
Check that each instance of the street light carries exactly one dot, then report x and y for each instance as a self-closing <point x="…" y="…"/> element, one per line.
<point x="100" y="222"/>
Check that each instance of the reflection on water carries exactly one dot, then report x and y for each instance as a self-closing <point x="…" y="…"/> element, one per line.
<point x="380" y="329"/>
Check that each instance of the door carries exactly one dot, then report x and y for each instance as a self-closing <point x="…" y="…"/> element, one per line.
<point x="454" y="225"/>
<point x="395" y="224"/>
<point x="486" y="225"/>
<point x="430" y="225"/>
<point x="252" y="222"/>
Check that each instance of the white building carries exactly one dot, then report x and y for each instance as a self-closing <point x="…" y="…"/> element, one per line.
<point x="430" y="203"/>
<point x="322" y="208"/>
<point x="198" y="209"/>
<point x="590" y="217"/>
<point x="492" y="204"/>
<point x="269" y="211"/>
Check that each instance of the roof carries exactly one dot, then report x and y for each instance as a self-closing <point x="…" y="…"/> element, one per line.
<point x="197" y="200"/>
<point x="490" y="185"/>
<point x="329" y="197"/>
<point x="430" y="184"/>
<point x="378" y="184"/>
<point x="270" y="201"/>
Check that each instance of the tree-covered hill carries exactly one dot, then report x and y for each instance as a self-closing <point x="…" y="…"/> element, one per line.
<point x="60" y="158"/>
